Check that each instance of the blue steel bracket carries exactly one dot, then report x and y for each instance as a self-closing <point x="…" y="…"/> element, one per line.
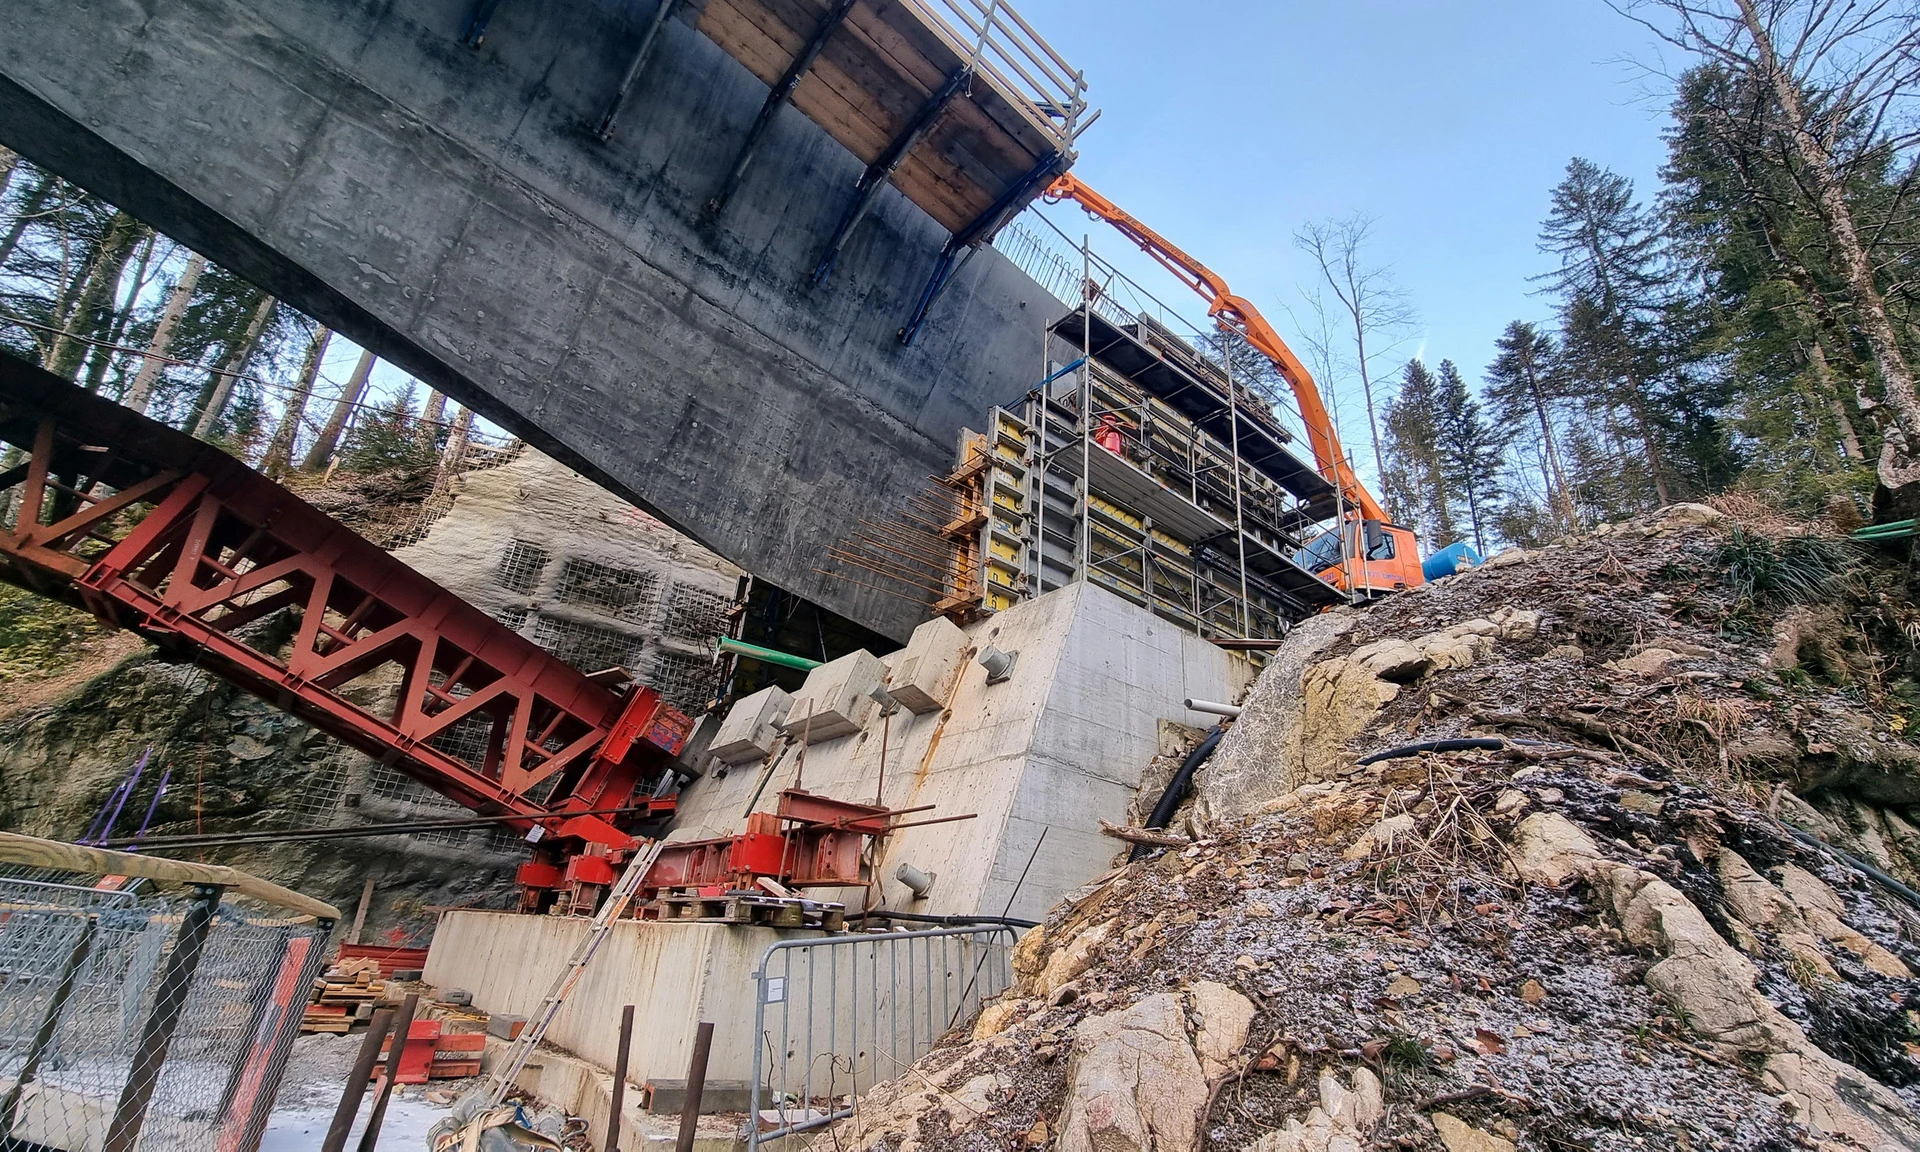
<point x="982" y="230"/>
<point x="475" y="33"/>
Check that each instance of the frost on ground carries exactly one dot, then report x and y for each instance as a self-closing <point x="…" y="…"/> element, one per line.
<point x="1596" y="929"/>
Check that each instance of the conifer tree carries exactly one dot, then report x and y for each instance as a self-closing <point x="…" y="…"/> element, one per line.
<point x="1471" y="452"/>
<point x="1612" y="290"/>
<point x="1415" y="493"/>
<point x="1521" y="382"/>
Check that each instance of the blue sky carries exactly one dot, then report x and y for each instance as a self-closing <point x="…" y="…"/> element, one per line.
<point x="1228" y="123"/>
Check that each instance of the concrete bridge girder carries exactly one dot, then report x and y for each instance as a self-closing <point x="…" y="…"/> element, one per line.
<point x="452" y="210"/>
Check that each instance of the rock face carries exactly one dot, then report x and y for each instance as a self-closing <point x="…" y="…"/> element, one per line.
<point x="1134" y="1083"/>
<point x="1300" y="727"/>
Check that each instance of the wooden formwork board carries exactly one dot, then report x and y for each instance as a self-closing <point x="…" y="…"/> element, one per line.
<point x="875" y="72"/>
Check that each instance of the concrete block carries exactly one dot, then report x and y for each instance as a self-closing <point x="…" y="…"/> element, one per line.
<point x="669" y="1097"/>
<point x="836" y="700"/>
<point x="505" y="1025"/>
<point x="923" y="672"/>
<point x="751" y="727"/>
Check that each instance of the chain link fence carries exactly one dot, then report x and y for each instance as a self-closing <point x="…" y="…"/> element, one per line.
<point x="141" y="1021"/>
<point x="837" y="1015"/>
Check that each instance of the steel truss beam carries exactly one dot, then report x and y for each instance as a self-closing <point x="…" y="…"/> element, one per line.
<point x="152" y="530"/>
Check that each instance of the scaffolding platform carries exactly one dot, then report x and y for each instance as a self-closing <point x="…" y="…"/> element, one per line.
<point x="1134" y="352"/>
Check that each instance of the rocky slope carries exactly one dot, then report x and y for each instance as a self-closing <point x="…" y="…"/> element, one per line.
<point x="1645" y="896"/>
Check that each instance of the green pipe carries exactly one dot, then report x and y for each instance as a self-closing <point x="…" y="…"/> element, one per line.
<point x="1877" y="529"/>
<point x="767" y="655"/>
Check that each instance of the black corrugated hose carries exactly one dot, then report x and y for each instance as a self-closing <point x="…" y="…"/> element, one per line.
<point x="1177" y="788"/>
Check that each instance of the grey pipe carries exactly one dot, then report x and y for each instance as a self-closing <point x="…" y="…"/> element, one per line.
<point x="1213" y="709"/>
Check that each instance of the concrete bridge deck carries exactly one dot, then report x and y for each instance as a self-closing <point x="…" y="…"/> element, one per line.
<point x="455" y="211"/>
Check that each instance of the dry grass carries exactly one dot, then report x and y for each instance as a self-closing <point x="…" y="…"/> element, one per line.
<point x="1754" y="513"/>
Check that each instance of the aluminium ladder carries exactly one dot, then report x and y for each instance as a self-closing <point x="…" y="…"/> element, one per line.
<point x="616" y="905"/>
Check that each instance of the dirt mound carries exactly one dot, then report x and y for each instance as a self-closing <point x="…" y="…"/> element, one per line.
<point x="1501" y="864"/>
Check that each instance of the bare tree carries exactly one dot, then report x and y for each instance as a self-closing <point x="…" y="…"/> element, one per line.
<point x="329" y="438"/>
<point x="1843" y="75"/>
<point x="1377" y="310"/>
<point x="234" y="364"/>
<point x="431" y="417"/>
<point x="140" y="394"/>
<point x="279" y="454"/>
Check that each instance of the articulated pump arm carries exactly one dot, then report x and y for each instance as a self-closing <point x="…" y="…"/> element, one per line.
<point x="1243" y="317"/>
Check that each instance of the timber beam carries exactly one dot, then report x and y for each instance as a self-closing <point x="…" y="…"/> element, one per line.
<point x="777" y="98"/>
<point x="879" y="174"/>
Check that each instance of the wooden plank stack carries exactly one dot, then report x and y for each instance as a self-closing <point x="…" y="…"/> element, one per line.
<point x="749" y="907"/>
<point x="338" y="996"/>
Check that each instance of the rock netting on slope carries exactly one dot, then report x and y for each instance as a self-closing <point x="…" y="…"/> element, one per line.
<point x="1596" y="934"/>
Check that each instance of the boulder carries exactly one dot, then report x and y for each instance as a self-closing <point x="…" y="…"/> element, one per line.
<point x="1224" y="1018"/>
<point x="1460" y="1136"/>
<point x="1133" y="1082"/>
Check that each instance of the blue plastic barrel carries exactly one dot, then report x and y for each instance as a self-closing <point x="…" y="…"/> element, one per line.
<point x="1455" y="557"/>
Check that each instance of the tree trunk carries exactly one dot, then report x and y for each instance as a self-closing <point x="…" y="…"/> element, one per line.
<point x="81" y="321"/>
<point x="141" y="394"/>
<point x="1869" y="306"/>
<point x="280" y="449"/>
<point x="428" y="429"/>
<point x="1555" y="476"/>
<point x="232" y="366"/>
<point x="1366" y="391"/>
<point x="1849" y="443"/>
<point x="329" y="439"/>
<point x="35" y="201"/>
<point x="106" y="356"/>
<point x="1656" y="465"/>
<point x="454" y="457"/>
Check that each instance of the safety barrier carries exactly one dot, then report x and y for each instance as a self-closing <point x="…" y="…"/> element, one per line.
<point x="834" y="1016"/>
<point x="144" y="1020"/>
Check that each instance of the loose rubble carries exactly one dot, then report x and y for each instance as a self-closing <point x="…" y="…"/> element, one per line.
<point x="1646" y="894"/>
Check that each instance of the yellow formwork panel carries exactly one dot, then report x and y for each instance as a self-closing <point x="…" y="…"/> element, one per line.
<point x="1170" y="542"/>
<point x="1117" y="512"/>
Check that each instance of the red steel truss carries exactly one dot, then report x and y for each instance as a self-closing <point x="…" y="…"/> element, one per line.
<point x="152" y="530"/>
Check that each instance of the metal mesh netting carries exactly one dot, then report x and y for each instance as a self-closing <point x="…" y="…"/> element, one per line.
<point x="588" y="647"/>
<point x="686" y="682"/>
<point x="618" y="592"/>
<point x="143" y="1023"/>
<point x="521" y="566"/>
<point x="695" y="613"/>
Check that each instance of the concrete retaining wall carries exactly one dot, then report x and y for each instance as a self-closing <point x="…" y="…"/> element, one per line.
<point x="1056" y="749"/>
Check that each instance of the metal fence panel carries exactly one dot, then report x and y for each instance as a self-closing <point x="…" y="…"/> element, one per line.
<point x="836" y="1015"/>
<point x="143" y="1023"/>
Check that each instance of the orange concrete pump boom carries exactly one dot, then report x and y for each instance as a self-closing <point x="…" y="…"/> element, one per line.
<point x="1243" y="317"/>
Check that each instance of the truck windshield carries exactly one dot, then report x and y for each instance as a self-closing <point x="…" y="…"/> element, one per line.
<point x="1321" y="553"/>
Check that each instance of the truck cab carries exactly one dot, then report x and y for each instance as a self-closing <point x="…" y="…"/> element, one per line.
<point x="1364" y="558"/>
